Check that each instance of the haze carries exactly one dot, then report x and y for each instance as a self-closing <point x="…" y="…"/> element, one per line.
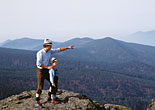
<point x="65" y="19"/>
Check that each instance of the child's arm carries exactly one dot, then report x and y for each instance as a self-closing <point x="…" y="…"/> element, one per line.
<point x="52" y="77"/>
<point x="40" y="62"/>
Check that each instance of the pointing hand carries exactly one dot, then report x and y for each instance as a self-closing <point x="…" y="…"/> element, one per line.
<point x="71" y="47"/>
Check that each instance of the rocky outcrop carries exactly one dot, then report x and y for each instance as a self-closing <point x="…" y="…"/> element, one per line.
<point x="67" y="101"/>
<point x="152" y="105"/>
<point x="115" y="107"/>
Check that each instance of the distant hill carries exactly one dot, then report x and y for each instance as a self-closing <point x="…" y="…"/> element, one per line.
<point x="77" y="42"/>
<point x="110" y="50"/>
<point x="147" y="38"/>
<point x="36" y="44"/>
<point x="5" y="42"/>
<point x="106" y="50"/>
<point x="24" y="43"/>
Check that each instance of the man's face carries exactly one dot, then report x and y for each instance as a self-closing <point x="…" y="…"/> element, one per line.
<point x="49" y="47"/>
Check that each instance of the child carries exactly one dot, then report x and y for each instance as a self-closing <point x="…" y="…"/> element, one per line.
<point x="53" y="79"/>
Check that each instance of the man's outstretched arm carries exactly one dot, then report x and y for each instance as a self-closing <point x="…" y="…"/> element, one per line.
<point x="61" y="49"/>
<point x="65" y="48"/>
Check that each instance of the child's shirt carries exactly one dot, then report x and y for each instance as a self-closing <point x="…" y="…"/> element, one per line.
<point x="53" y="72"/>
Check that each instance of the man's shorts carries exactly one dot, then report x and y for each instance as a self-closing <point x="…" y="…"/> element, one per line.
<point x="42" y="74"/>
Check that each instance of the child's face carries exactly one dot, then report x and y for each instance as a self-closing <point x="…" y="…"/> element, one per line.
<point x="55" y="64"/>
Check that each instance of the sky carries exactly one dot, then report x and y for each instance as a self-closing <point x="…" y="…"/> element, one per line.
<point x="62" y="20"/>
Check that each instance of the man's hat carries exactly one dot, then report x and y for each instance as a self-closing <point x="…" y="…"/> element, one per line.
<point x="47" y="42"/>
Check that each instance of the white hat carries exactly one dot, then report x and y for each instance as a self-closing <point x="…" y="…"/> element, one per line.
<point x="53" y="60"/>
<point x="47" y="42"/>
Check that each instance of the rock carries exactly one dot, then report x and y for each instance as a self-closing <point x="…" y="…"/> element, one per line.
<point x="67" y="101"/>
<point x="115" y="107"/>
<point x="152" y="105"/>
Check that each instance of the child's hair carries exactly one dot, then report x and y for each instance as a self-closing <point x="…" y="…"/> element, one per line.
<point x="53" y="60"/>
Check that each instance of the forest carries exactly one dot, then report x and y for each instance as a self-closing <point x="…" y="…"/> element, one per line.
<point x="104" y="82"/>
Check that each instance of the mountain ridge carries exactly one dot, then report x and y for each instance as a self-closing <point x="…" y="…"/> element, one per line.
<point x="36" y="44"/>
<point x="141" y="37"/>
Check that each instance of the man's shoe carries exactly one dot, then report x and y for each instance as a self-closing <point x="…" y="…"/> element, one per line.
<point x="38" y="105"/>
<point x="54" y="101"/>
<point x="49" y="99"/>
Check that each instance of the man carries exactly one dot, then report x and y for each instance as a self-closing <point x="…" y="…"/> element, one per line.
<point x="43" y="66"/>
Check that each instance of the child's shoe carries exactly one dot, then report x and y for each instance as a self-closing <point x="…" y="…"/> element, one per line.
<point x="54" y="101"/>
<point x="49" y="96"/>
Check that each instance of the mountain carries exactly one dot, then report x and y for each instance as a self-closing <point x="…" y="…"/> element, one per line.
<point x="106" y="70"/>
<point x="110" y="50"/>
<point x="25" y="43"/>
<point x="5" y="42"/>
<point x="77" y="42"/>
<point x="107" y="50"/>
<point x="147" y="38"/>
<point x="36" y="44"/>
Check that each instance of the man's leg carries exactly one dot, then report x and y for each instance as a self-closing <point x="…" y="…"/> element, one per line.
<point x="40" y="81"/>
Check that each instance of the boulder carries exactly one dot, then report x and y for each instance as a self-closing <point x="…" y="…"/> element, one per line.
<point x="152" y="105"/>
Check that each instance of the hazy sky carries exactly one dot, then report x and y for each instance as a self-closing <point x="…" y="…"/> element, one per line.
<point x="65" y="19"/>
